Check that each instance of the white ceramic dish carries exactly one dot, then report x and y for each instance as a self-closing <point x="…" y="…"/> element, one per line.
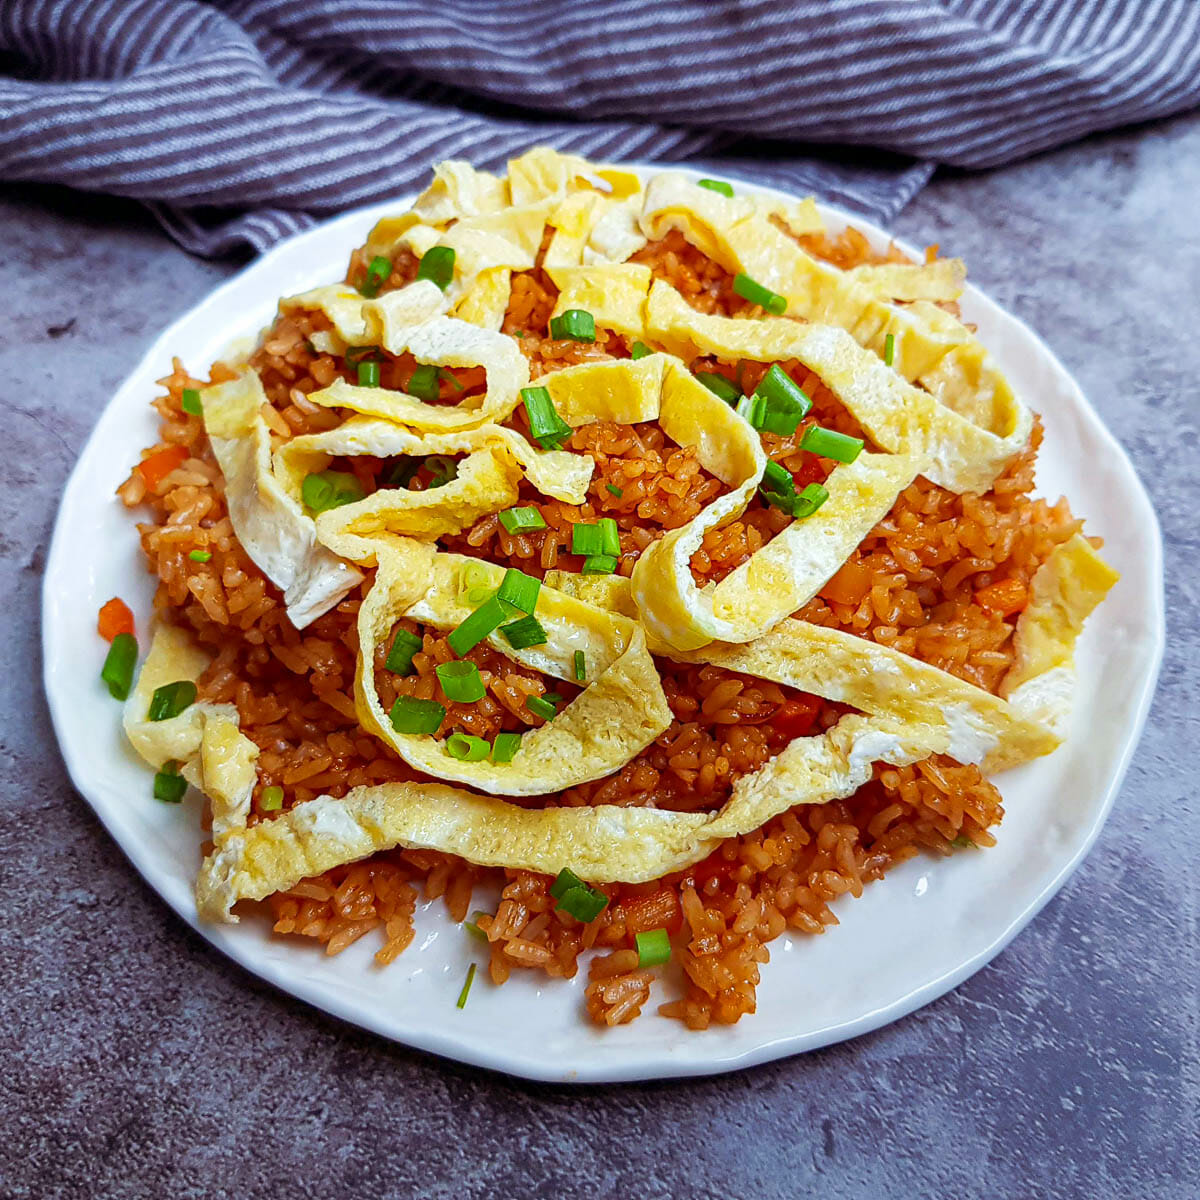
<point x="910" y="938"/>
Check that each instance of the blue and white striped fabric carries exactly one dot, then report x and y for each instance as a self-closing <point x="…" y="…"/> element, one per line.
<point x="241" y="121"/>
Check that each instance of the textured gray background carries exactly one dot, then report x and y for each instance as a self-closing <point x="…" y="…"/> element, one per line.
<point x="135" y="1061"/>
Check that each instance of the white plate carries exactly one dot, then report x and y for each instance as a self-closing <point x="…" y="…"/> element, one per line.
<point x="909" y="939"/>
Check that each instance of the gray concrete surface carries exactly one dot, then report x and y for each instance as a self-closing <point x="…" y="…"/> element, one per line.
<point x="135" y="1061"/>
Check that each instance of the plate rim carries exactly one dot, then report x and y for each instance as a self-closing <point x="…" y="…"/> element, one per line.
<point x="140" y="851"/>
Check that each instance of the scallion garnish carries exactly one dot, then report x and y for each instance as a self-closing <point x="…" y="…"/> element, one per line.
<point x="586" y="539"/>
<point x="519" y="590"/>
<point x="466" y="987"/>
<point x="781" y="393"/>
<point x="330" y="489"/>
<point x="716" y="185"/>
<point x="191" y="402"/>
<point x="411" y="714"/>
<point x="753" y="408"/>
<point x="719" y="386"/>
<point x="461" y="681"/>
<point x="171" y="699"/>
<point x="753" y="291"/>
<point x="547" y="427"/>
<point x="639" y="350"/>
<point x="368" y="373"/>
<point x="599" y="564"/>
<point x="809" y="500"/>
<point x="962" y="842"/>
<point x="423" y="383"/>
<point x="400" y="656"/>
<point x="169" y="786"/>
<point x="555" y="698"/>
<point x="377" y="272"/>
<point x="437" y="265"/>
<point x="524" y="633"/>
<point x="119" y="662"/>
<point x="584" y="902"/>
<point x="575" y="325"/>
<point x="828" y="443"/>
<point x="610" y="537"/>
<point x="472" y="926"/>
<point x="474" y="583"/>
<point x="355" y="354"/>
<point x="889" y="349"/>
<point x="271" y="799"/>
<point x="487" y="618"/>
<point x="505" y="747"/>
<point x="522" y="520"/>
<point x="541" y="707"/>
<point x="200" y="556"/>
<point x="442" y="468"/>
<point x="613" y="490"/>
<point x="564" y="881"/>
<point x="653" y="947"/>
<point x="580" y="666"/>
<point x="778" y="488"/>
<point x="467" y="748"/>
<point x="451" y="379"/>
<point x="402" y="473"/>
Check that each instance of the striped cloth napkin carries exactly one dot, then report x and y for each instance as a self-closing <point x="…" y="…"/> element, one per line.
<point x="239" y="122"/>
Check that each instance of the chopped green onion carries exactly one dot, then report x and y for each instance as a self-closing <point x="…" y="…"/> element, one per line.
<point x="171" y="699"/>
<point x="781" y="393"/>
<point x="599" y="564"/>
<point x="716" y="185"/>
<point x="330" y="489"/>
<point x="719" y="386"/>
<point x="410" y="714"/>
<point x="809" y="500"/>
<point x="505" y="747"/>
<point x="575" y="325"/>
<point x="653" y="947"/>
<point x="564" y="881"/>
<point x="520" y="333"/>
<point x="437" y="265"/>
<point x="355" y="354"/>
<point x="610" y="537"/>
<point x="545" y="424"/>
<point x="753" y="408"/>
<point x="271" y="799"/>
<point x="555" y="698"/>
<point x="962" y="842"/>
<point x="200" y="556"/>
<point x="377" y="273"/>
<point x="423" y="383"/>
<point x="776" y="420"/>
<point x="889" y="349"/>
<point x="461" y="681"/>
<point x="583" y="902"/>
<point x="750" y="290"/>
<point x="442" y="468"/>
<point x="191" y="402"/>
<point x="580" y="666"/>
<point x="522" y="520"/>
<point x="472" y="926"/>
<point x="586" y="539"/>
<point x="400" y="656"/>
<point x="777" y="478"/>
<point x="828" y="443"/>
<point x="169" y="786"/>
<point x="466" y="987"/>
<point x="487" y="618"/>
<point x="403" y="473"/>
<point x="613" y="490"/>
<point x="474" y="583"/>
<point x="368" y="373"/>
<point x="119" y="662"/>
<point x="541" y="707"/>
<point x="451" y="379"/>
<point x="520" y="590"/>
<point x="524" y="633"/>
<point x="467" y="748"/>
<point x="639" y="350"/>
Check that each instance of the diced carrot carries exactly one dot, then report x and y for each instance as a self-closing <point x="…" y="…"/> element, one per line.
<point x="795" y="718"/>
<point x="931" y="252"/>
<point x="115" y="618"/>
<point x="1005" y="598"/>
<point x="659" y="910"/>
<point x="157" y="467"/>
<point x="848" y="585"/>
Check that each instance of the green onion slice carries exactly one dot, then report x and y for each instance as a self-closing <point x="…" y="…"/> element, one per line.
<point x="750" y="290"/>
<point x="575" y="325"/>
<point x="487" y="618"/>
<point x="461" y="681"/>
<point x="451" y="379"/>
<point x="403" y="472"/>
<point x="564" y="881"/>
<point x="400" y="656"/>
<point x="519" y="590"/>
<point x="330" y="489"/>
<point x="781" y="393"/>
<point x="410" y="714"/>
<point x="423" y="383"/>
<point x="522" y="520"/>
<point x="467" y="748"/>
<point x="716" y="185"/>
<point x="377" y="272"/>
<point x="828" y="443"/>
<point x="962" y="842"/>
<point x="169" y="786"/>
<point x="473" y="583"/>
<point x="586" y="539"/>
<point x="355" y="354"/>
<point x="889" y="349"/>
<point x="443" y="469"/>
<point x="610" y="537"/>
<point x="437" y="265"/>
<point x="599" y="564"/>
<point x="171" y="699"/>
<point x="753" y="408"/>
<point x="719" y="386"/>
<point x="466" y="987"/>
<point x="580" y="666"/>
<point x="541" y="707"/>
<point x="584" y="903"/>
<point x="524" y="633"/>
<point x="472" y="926"/>
<point x="368" y="373"/>
<point x="200" y="556"/>
<point x="119" y="662"/>
<point x="191" y="402"/>
<point x="653" y="947"/>
<point x="271" y="799"/>
<point x="545" y="424"/>
<point x="639" y="350"/>
<point x="809" y="500"/>
<point x="613" y="490"/>
<point x="505" y="747"/>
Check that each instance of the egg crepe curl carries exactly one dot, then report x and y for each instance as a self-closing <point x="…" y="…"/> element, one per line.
<point x="569" y="509"/>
